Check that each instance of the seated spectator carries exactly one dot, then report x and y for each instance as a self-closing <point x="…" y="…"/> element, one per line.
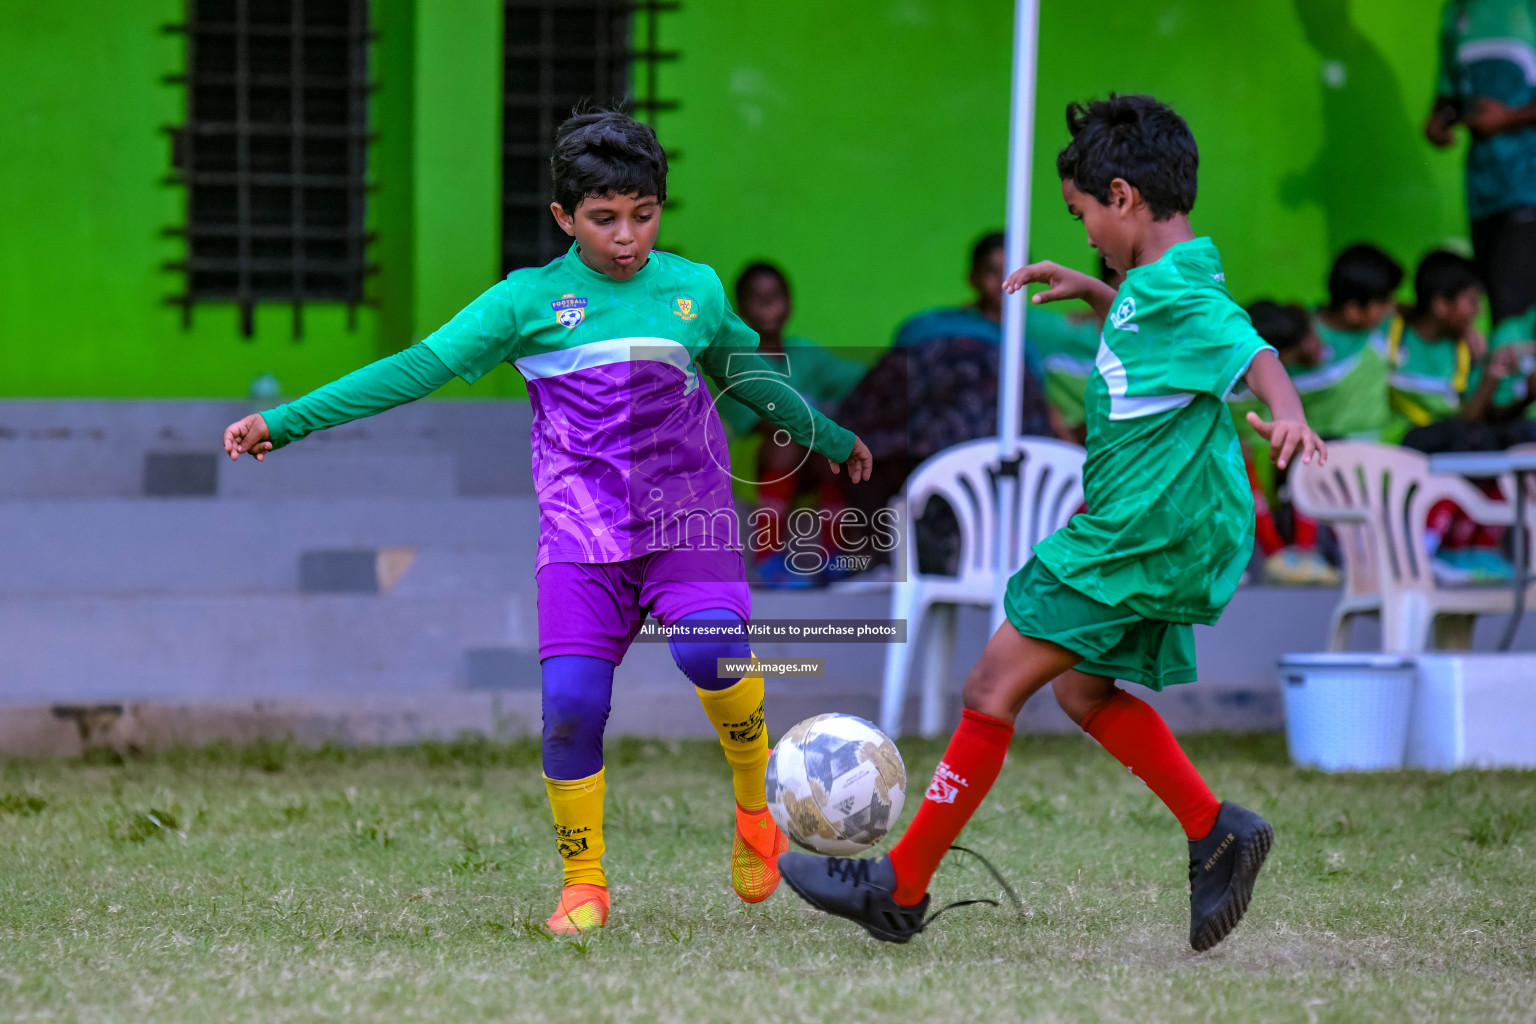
<point x="785" y="470"/>
<point x="1345" y="395"/>
<point x="1289" y="329"/>
<point x="1513" y="347"/>
<point x="1442" y="387"/>
<point x="1442" y="379"/>
<point x="935" y="388"/>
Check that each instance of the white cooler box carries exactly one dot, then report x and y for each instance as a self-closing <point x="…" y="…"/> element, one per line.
<point x="1474" y="711"/>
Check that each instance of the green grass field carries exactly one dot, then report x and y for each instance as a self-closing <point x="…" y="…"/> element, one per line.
<point x="275" y="884"/>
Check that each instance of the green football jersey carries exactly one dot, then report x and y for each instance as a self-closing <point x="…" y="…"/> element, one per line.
<point x="1488" y="49"/>
<point x="1345" y="395"/>
<point x="1169" y="522"/>
<point x="1426" y="379"/>
<point x="1514" y="332"/>
<point x="629" y="454"/>
<point x="1067" y="348"/>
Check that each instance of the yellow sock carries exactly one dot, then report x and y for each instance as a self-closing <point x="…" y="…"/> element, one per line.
<point x="736" y="712"/>
<point x="578" y="807"/>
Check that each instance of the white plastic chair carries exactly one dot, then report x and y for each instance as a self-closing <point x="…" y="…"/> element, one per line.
<point x="1379" y="497"/>
<point x="1050" y="490"/>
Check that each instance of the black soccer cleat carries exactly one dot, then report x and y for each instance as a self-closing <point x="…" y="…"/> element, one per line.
<point x="1222" y="869"/>
<point x="859" y="890"/>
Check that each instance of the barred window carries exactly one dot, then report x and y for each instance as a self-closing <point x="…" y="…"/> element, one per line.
<point x="274" y="154"/>
<point x="558" y="53"/>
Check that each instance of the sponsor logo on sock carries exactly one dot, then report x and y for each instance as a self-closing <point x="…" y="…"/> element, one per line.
<point x="1219" y="851"/>
<point x="571" y="841"/>
<point x="945" y="786"/>
<point x="748" y="731"/>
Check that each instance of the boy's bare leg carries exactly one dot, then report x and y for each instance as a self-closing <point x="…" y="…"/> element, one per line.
<point x="1011" y="669"/>
<point x="1081" y="694"/>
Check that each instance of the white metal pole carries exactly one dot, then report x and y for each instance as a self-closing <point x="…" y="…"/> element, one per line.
<point x="1026" y="28"/>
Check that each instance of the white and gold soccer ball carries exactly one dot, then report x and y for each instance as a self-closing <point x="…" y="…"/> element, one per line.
<point x="836" y="784"/>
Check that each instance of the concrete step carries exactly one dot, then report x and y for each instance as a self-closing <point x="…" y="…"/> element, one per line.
<point x="122" y="449"/>
<point x="327" y="471"/>
<point x="253" y="646"/>
<point x="143" y="546"/>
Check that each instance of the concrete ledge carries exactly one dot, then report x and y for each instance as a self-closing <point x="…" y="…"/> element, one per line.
<point x="670" y="711"/>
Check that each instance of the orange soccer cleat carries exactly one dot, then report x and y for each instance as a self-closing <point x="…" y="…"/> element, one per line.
<point x="755" y="855"/>
<point x="583" y="908"/>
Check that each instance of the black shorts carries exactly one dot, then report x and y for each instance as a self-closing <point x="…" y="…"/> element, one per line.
<point x="1504" y="249"/>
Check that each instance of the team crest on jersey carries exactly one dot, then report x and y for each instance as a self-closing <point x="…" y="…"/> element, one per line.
<point x="1123" y="315"/>
<point x="569" y="310"/>
<point x="684" y="307"/>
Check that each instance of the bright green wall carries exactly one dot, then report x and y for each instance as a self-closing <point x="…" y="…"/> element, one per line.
<point x="860" y="143"/>
<point x="84" y="203"/>
<point x="864" y="144"/>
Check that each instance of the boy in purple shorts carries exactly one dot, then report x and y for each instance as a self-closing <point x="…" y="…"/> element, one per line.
<point x="632" y="473"/>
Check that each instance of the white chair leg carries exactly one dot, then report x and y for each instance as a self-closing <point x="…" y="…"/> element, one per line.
<point x="905" y="598"/>
<point x="1338" y="630"/>
<point x="938" y="652"/>
<point x="1404" y="624"/>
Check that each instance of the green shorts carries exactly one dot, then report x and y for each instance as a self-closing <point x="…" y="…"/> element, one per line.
<point x="1113" y="640"/>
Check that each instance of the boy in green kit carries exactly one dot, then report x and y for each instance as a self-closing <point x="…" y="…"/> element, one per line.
<point x="1440" y="386"/>
<point x="1345" y="394"/>
<point x="1162" y="544"/>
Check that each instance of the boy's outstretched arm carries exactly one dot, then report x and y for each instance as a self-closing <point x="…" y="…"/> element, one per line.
<point x="755" y="385"/>
<point x="732" y="362"/>
<point x="394" y="380"/>
<point x="1288" y="429"/>
<point x="479" y="337"/>
<point x="1064" y="284"/>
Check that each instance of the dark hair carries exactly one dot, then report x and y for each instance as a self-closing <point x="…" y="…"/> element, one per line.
<point x="985" y="246"/>
<point x="758" y="269"/>
<point x="606" y="153"/>
<point x="1282" y="325"/>
<point x="1364" y="274"/>
<point x="1135" y="138"/>
<point x="1442" y="275"/>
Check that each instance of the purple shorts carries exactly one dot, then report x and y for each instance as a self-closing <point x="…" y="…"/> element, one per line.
<point x="596" y="609"/>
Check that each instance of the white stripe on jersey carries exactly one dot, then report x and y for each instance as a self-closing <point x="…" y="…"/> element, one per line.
<point x="607" y="353"/>
<point x="1517" y="51"/>
<point x="1123" y="407"/>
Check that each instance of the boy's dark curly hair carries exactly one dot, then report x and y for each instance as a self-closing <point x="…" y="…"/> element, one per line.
<point x="1364" y="274"/>
<point x="600" y="152"/>
<point x="1135" y="138"/>
<point x="1442" y="274"/>
<point x="1284" y="326"/>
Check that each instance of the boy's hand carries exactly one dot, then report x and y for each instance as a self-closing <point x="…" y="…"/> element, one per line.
<point x="860" y="462"/>
<point x="1064" y="284"/>
<point x="1504" y="362"/>
<point x="249" y="435"/>
<point x="1489" y="117"/>
<point x="1285" y="436"/>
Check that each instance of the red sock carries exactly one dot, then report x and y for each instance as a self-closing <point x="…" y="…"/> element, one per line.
<point x="970" y="766"/>
<point x="1139" y="738"/>
<point x="1265" y="530"/>
<point x="1306" y="530"/>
